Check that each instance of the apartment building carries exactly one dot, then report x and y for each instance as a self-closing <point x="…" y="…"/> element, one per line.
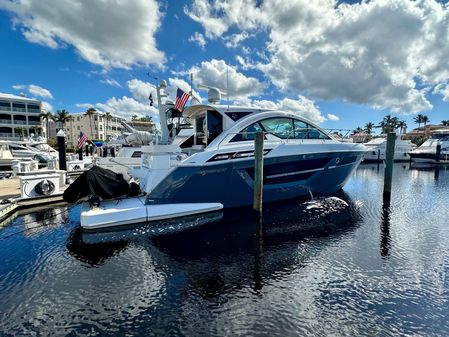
<point x="98" y="126"/>
<point x="19" y="116"/>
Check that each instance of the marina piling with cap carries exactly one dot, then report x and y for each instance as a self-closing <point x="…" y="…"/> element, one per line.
<point x="438" y="153"/>
<point x="389" y="157"/>
<point x="61" y="149"/>
<point x="258" y="172"/>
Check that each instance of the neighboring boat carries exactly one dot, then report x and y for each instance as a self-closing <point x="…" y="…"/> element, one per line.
<point x="21" y="151"/>
<point x="215" y="166"/>
<point x="6" y="156"/>
<point x="427" y="152"/>
<point x="377" y="149"/>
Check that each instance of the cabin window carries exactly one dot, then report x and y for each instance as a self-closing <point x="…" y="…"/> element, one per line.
<point x="280" y="127"/>
<point x="249" y="133"/>
<point x="307" y="131"/>
<point x="137" y="154"/>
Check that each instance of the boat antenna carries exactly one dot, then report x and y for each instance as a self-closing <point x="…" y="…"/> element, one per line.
<point x="227" y="83"/>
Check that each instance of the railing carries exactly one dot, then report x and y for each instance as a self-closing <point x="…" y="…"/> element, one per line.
<point x="20" y="122"/>
<point x="34" y="122"/>
<point x="33" y="110"/>
<point x="19" y="109"/>
<point x="5" y="121"/>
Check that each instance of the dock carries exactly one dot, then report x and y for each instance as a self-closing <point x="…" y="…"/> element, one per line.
<point x="11" y="201"/>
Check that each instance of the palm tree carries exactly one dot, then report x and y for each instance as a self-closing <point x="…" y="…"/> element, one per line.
<point x="47" y="116"/>
<point x="357" y="130"/>
<point x="403" y="126"/>
<point x="425" y="120"/>
<point x="90" y="112"/>
<point x="369" y="127"/>
<point x="388" y="124"/>
<point x="419" y="119"/>
<point x="61" y="116"/>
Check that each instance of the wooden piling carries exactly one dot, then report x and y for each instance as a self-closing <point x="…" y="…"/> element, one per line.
<point x="80" y="153"/>
<point x="389" y="158"/>
<point x="258" y="172"/>
<point x="438" y="153"/>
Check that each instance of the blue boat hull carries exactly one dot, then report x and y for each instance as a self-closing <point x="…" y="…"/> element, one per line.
<point x="231" y="182"/>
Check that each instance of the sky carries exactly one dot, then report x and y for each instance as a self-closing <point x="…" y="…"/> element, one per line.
<point x="338" y="64"/>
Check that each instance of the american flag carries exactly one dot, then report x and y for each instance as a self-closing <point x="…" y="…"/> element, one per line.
<point x="181" y="99"/>
<point x="82" y="140"/>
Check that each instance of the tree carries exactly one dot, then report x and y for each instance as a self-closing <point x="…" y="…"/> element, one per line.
<point x="418" y="119"/>
<point x="425" y="120"/>
<point x="148" y="119"/>
<point x="403" y="126"/>
<point x="369" y="127"/>
<point x="357" y="130"/>
<point x="388" y="124"/>
<point x="445" y="122"/>
<point x="61" y="116"/>
<point x="90" y="112"/>
<point x="135" y="118"/>
<point x="47" y="116"/>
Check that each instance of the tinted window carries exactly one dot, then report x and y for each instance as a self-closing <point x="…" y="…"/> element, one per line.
<point x="137" y="154"/>
<point x="307" y="131"/>
<point x="248" y="133"/>
<point x="280" y="127"/>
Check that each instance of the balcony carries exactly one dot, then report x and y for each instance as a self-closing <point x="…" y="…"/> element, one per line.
<point x="5" y="108"/>
<point x="35" y="111"/>
<point x="34" y="123"/>
<point x="19" y="109"/>
<point x="6" y="135"/>
<point x="5" y="121"/>
<point x="23" y="122"/>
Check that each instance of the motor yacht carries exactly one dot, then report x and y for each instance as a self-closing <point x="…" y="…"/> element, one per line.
<point x="6" y="156"/>
<point x="214" y="167"/>
<point x="377" y="149"/>
<point x="428" y="151"/>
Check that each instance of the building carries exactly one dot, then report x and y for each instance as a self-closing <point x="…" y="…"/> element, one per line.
<point x="20" y="117"/>
<point x="98" y="126"/>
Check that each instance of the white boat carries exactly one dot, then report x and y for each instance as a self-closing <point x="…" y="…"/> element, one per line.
<point x="216" y="164"/>
<point x="377" y="149"/>
<point x="428" y="151"/>
<point x="6" y="156"/>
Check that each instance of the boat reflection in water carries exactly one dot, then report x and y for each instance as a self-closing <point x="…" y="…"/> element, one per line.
<point x="232" y="247"/>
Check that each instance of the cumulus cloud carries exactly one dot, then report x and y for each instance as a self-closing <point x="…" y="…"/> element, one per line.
<point x="108" y="33"/>
<point x="47" y="107"/>
<point x="302" y="107"/>
<point x="387" y="54"/>
<point x="199" y="39"/>
<point x="332" y="117"/>
<point x="214" y="73"/>
<point x="34" y="90"/>
<point x="126" y="106"/>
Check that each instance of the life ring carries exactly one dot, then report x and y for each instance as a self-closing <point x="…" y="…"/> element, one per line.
<point x="45" y="187"/>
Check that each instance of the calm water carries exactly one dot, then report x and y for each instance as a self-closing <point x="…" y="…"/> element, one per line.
<point x="350" y="265"/>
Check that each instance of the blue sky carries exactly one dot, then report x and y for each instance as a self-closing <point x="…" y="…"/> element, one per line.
<point x="338" y="64"/>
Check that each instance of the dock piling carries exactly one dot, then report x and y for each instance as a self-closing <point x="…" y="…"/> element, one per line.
<point x="61" y="149"/>
<point x="389" y="158"/>
<point x="258" y="172"/>
<point x="438" y="153"/>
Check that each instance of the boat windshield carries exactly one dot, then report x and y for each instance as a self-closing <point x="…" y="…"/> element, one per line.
<point x="441" y="136"/>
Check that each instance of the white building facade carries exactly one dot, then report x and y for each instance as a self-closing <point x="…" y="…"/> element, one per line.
<point x="98" y="126"/>
<point x="19" y="117"/>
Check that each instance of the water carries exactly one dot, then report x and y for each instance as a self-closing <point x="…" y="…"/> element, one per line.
<point x="346" y="265"/>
